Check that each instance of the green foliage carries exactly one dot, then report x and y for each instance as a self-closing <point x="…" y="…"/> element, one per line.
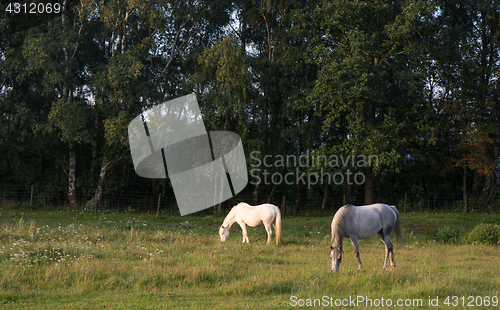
<point x="413" y="82"/>
<point x="474" y="205"/>
<point x="448" y="235"/>
<point x="224" y="80"/>
<point x="116" y="130"/>
<point x="370" y="84"/>
<point x="485" y="233"/>
<point x="72" y="119"/>
<point x="22" y="206"/>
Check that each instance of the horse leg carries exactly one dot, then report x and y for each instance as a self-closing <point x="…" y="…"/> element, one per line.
<point x="269" y="233"/>
<point x="389" y="251"/>
<point x="244" y="231"/>
<point x="356" y="250"/>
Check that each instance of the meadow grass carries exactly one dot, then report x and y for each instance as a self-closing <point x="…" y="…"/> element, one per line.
<point x="75" y="259"/>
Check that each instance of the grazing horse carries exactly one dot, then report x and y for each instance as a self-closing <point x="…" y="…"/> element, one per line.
<point x="253" y="216"/>
<point x="361" y="222"/>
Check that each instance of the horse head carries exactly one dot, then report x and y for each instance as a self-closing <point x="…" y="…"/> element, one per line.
<point x="335" y="257"/>
<point x="224" y="233"/>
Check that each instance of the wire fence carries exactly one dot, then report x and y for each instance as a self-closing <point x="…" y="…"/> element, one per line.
<point x="164" y="203"/>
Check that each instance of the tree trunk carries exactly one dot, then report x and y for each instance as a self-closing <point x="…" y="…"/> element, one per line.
<point x="256" y="193"/>
<point x="476" y="184"/>
<point x="93" y="204"/>
<point x="368" y="170"/>
<point x="488" y="183"/>
<point x="243" y="27"/>
<point x="359" y="194"/>
<point x="348" y="193"/>
<point x="325" y="196"/>
<point x="95" y="144"/>
<point x="302" y="196"/>
<point x="72" y="175"/>
<point x="493" y="197"/>
<point x="68" y="98"/>
<point x="270" y="196"/>
<point x="368" y="185"/>
<point x="464" y="185"/>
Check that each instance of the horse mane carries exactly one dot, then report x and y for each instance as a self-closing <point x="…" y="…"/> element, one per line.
<point x="339" y="226"/>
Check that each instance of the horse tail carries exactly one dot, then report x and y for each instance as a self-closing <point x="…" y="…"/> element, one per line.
<point x="277" y="225"/>
<point x="397" y="227"/>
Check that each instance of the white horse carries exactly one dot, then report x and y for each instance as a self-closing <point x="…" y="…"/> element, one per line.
<point x="364" y="222"/>
<point x="253" y="216"/>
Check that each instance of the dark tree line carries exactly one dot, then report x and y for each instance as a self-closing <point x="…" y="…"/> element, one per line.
<point x="413" y="83"/>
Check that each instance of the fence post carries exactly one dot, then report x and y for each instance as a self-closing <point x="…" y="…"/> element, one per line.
<point x="283" y="207"/>
<point x="158" y="209"/>
<point x="31" y="199"/>
<point x="406" y="195"/>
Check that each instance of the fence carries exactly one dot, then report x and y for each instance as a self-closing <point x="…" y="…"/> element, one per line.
<point x="165" y="203"/>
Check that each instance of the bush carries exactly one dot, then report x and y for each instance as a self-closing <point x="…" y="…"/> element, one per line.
<point x="485" y="233"/>
<point x="448" y="235"/>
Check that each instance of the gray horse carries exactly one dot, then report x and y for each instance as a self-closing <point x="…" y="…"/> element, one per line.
<point x="361" y="222"/>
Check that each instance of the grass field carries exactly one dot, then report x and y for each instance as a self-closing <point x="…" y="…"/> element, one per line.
<point x="74" y="259"/>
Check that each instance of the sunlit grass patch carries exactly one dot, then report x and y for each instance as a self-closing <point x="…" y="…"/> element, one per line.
<point x="77" y="259"/>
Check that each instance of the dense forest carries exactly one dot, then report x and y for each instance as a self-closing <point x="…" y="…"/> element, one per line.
<point x="360" y="101"/>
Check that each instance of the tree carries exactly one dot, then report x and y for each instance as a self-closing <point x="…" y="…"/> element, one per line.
<point x="371" y="57"/>
<point x="223" y="86"/>
<point x="141" y="47"/>
<point x="468" y="66"/>
<point x="278" y="84"/>
<point x="50" y="72"/>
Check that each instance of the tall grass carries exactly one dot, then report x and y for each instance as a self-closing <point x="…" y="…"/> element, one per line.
<point x="81" y="260"/>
